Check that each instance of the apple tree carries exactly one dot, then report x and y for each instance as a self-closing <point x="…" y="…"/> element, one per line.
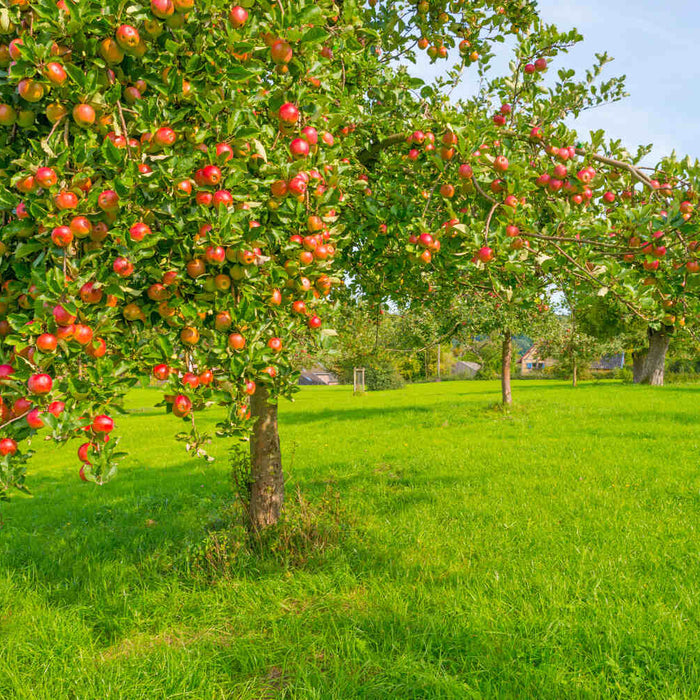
<point x="175" y="179"/>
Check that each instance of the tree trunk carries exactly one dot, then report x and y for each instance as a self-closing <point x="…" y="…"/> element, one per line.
<point x="574" y="373"/>
<point x="506" y="357"/>
<point x="648" y="367"/>
<point x="438" y="363"/>
<point x="655" y="361"/>
<point x="638" y="360"/>
<point x="267" y="479"/>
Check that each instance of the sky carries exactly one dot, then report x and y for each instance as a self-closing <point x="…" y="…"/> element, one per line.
<point x="655" y="44"/>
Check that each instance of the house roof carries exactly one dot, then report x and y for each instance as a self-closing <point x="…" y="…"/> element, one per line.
<point x="317" y="375"/>
<point x="464" y="364"/>
<point x="610" y="362"/>
<point x="530" y="354"/>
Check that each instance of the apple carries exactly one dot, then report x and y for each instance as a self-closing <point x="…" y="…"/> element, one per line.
<point x="238" y="16"/>
<point x="8" y="115"/>
<point x="158" y="292"/>
<point x="530" y="68"/>
<point x="189" y="335"/>
<point x="466" y="172"/>
<point x="46" y="177"/>
<point x="161" y="372"/>
<point x="62" y="236"/>
<point x="222" y="198"/>
<point x="111" y="51"/>
<point x="225" y="150"/>
<point x="90" y="293"/>
<point x="96" y="349"/>
<point x="211" y="175"/>
<point x="222" y="283"/>
<point x="164" y="136"/>
<point x="21" y="406"/>
<point x="206" y="377"/>
<point x="288" y="113"/>
<point x="123" y="267"/>
<point x="66" y="200"/>
<point x="297" y="185"/>
<point x="223" y="321"/>
<point x="281" y="52"/>
<point x="139" y="231"/>
<point x="108" y="201"/>
<point x="7" y="447"/>
<point x="204" y="199"/>
<point x="102" y="424"/>
<point x="299" y="148"/>
<point x="181" y="406"/>
<point x="250" y="387"/>
<point x="215" y="255"/>
<point x="82" y="334"/>
<point x="47" y="342"/>
<point x="183" y="188"/>
<point x="189" y="379"/>
<point x="30" y="90"/>
<point x="34" y="419"/>
<point x="501" y="163"/>
<point x="609" y="197"/>
<point x="693" y="266"/>
<point x="162" y="8"/>
<point x="40" y="384"/>
<point x="314" y="322"/>
<point x="84" y="115"/>
<point x="62" y="316"/>
<point x="6" y="371"/>
<point x="275" y="344"/>
<point x="485" y="254"/>
<point x="196" y="268"/>
<point x="128" y="37"/>
<point x="14" y="49"/>
<point x="56" y="408"/>
<point x="236" y="341"/>
<point x="540" y="64"/>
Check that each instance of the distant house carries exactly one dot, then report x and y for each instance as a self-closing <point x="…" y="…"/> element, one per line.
<point x="465" y="369"/>
<point x="532" y="362"/>
<point x="609" y="364"/>
<point x="317" y="376"/>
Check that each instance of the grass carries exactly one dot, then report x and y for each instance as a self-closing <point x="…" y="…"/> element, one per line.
<point x="551" y="552"/>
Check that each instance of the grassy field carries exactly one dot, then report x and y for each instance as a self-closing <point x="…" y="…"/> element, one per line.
<point x="549" y="553"/>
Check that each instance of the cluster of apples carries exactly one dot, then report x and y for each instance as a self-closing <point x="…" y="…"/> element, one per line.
<point x="442" y="23"/>
<point x="108" y="226"/>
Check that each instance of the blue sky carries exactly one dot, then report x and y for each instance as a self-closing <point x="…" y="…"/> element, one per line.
<point x="655" y="44"/>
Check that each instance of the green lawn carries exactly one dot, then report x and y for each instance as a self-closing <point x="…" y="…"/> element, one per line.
<point x="549" y="553"/>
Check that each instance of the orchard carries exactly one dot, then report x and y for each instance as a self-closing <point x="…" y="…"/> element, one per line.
<point x="188" y="184"/>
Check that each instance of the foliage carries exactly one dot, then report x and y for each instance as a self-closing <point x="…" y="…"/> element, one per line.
<point x="175" y="177"/>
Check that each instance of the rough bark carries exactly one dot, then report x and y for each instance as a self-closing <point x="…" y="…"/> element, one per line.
<point x="655" y="362"/>
<point x="651" y="369"/>
<point x="506" y="359"/>
<point x="574" y="374"/>
<point x="267" y="479"/>
<point x="638" y="360"/>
